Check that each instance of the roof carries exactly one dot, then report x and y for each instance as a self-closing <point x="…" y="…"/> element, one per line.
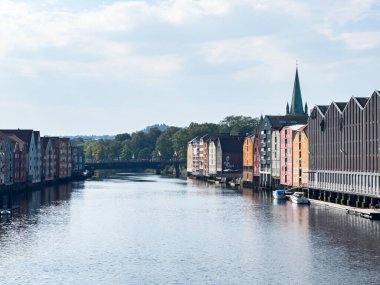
<point x="44" y="141"/>
<point x="323" y="108"/>
<point x="279" y="121"/>
<point x="296" y="106"/>
<point x="15" y="138"/>
<point x="362" y="100"/>
<point x="232" y="143"/>
<point x="249" y="137"/>
<point x="341" y="105"/>
<point x="25" y="135"/>
<point x="298" y="127"/>
<point x="193" y="140"/>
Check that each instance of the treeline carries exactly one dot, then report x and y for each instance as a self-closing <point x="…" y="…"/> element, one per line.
<point x="149" y="144"/>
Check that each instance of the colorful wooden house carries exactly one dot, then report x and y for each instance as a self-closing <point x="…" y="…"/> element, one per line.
<point x="48" y="159"/>
<point x="20" y="165"/>
<point x="248" y="160"/>
<point x="229" y="154"/>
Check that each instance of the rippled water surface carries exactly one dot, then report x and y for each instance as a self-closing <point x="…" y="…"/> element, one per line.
<point x="143" y="229"/>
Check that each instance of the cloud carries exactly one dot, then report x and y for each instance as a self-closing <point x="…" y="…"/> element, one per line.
<point x="361" y="40"/>
<point x="260" y="57"/>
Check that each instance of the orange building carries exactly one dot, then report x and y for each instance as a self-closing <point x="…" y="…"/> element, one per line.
<point x="300" y="158"/>
<point x="248" y="160"/>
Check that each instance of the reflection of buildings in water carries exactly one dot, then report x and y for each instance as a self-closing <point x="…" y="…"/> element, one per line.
<point x="344" y="230"/>
<point x="29" y="201"/>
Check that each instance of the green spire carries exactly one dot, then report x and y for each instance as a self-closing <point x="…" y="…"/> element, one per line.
<point x="296" y="107"/>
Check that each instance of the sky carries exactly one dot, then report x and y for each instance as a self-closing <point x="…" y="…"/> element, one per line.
<point x="87" y="67"/>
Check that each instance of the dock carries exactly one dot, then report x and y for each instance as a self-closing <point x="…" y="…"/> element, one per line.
<point x="372" y="214"/>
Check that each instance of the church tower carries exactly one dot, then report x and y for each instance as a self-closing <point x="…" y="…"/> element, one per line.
<point x="296" y="106"/>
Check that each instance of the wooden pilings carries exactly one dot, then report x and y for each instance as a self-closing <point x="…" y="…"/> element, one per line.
<point x="345" y="199"/>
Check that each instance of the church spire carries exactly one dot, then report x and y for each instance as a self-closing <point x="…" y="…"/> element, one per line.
<point x="296" y="107"/>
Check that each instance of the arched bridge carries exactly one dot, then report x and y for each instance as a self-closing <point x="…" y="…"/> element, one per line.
<point x="136" y="164"/>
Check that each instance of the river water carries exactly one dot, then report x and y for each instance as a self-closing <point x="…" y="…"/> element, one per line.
<point x="143" y="229"/>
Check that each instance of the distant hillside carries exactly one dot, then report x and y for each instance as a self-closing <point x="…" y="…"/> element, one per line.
<point x="161" y="127"/>
<point x="93" y="137"/>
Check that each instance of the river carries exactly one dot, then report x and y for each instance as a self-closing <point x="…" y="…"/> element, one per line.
<point x="124" y="228"/>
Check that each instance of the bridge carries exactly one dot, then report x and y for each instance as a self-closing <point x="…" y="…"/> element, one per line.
<point x="136" y="164"/>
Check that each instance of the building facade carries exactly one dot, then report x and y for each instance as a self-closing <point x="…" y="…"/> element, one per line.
<point x="6" y="160"/>
<point x="294" y="157"/>
<point x="48" y="159"/>
<point x="300" y="157"/>
<point x="256" y="156"/>
<point x="248" y="159"/>
<point x="212" y="158"/>
<point x="20" y="165"/>
<point x="78" y="159"/>
<point x="189" y="161"/>
<point x="270" y="148"/>
<point x="229" y="154"/>
<point x="344" y="147"/>
<point x="32" y="138"/>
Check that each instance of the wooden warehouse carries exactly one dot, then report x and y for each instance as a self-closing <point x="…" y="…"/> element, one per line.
<point x="344" y="158"/>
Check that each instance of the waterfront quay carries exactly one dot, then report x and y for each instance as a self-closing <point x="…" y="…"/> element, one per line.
<point x="128" y="228"/>
<point x="331" y="153"/>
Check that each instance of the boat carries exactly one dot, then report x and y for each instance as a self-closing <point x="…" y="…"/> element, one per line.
<point x="299" y="198"/>
<point x="5" y="212"/>
<point x="279" y="194"/>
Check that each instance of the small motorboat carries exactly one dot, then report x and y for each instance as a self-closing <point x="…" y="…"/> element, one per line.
<point x="299" y="198"/>
<point x="5" y="212"/>
<point x="279" y="194"/>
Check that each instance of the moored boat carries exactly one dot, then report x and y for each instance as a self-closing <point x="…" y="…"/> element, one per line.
<point x="299" y="198"/>
<point x="279" y="194"/>
<point x="5" y="212"/>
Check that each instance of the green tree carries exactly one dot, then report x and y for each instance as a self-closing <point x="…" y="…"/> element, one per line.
<point x="239" y="124"/>
<point x="123" y="137"/>
<point x="164" y="144"/>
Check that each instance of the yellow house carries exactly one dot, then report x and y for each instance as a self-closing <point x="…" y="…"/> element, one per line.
<point x="248" y="159"/>
<point x="300" y="158"/>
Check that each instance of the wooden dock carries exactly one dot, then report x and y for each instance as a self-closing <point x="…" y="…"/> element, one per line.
<point x="372" y="214"/>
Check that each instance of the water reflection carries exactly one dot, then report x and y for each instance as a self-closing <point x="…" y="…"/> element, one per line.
<point x="28" y="202"/>
<point x="121" y="228"/>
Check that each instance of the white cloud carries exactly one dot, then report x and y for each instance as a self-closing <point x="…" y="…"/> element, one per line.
<point x="265" y="57"/>
<point x="361" y="40"/>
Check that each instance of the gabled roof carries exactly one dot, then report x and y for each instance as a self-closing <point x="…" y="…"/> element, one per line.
<point x="44" y="141"/>
<point x="362" y="100"/>
<point x="340" y="105"/>
<point x="322" y="109"/>
<point x="279" y="121"/>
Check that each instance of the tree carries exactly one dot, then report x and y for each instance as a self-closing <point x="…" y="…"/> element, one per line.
<point x="239" y="124"/>
<point x="164" y="144"/>
<point x="123" y="137"/>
